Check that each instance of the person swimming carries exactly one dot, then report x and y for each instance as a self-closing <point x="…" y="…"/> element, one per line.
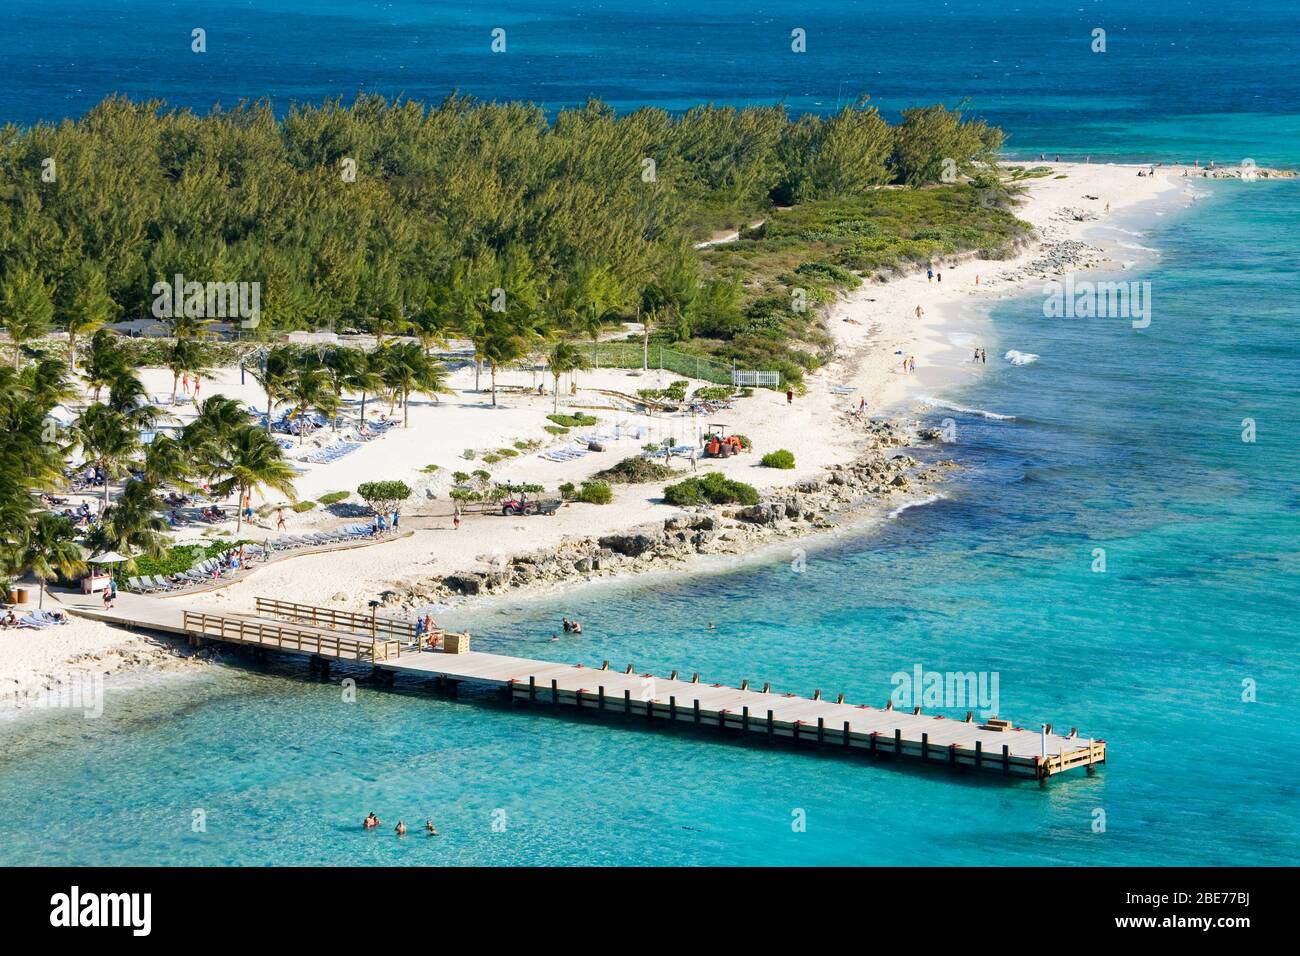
<point x="428" y="825"/>
<point x="400" y="829"/>
<point x="371" y="821"/>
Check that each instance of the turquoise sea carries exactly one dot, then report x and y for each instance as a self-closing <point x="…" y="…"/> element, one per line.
<point x="1129" y="440"/>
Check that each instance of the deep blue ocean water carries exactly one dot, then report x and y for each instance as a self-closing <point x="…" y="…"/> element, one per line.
<point x="1123" y="439"/>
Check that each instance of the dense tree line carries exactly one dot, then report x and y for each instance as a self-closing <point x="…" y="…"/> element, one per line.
<point x="382" y="214"/>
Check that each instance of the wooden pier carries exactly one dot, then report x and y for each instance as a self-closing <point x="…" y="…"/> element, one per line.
<point x="325" y="634"/>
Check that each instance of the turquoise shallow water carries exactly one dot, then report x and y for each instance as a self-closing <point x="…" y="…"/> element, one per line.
<point x="1127" y="440"/>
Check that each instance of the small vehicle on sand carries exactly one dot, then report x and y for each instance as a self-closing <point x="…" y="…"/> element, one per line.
<point x="523" y="505"/>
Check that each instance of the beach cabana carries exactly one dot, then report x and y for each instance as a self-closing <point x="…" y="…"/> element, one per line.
<point x="101" y="570"/>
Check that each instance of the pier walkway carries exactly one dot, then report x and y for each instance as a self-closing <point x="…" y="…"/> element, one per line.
<point x="326" y="634"/>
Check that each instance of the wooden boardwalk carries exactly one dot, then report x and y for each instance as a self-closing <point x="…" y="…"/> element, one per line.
<point x="732" y="711"/>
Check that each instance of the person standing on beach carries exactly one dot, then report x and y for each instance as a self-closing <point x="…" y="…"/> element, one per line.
<point x="789" y="396"/>
<point x="455" y="518"/>
<point x="919" y="312"/>
<point x="984" y="356"/>
<point x="279" y="519"/>
<point x="939" y="275"/>
<point x="929" y="275"/>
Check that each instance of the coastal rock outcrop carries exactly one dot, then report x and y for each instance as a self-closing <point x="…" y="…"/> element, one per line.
<point x="812" y="504"/>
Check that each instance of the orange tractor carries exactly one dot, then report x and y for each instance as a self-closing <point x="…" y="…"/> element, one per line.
<point x="718" y="444"/>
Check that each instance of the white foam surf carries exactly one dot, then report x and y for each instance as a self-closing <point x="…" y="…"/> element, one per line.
<point x="962" y="409"/>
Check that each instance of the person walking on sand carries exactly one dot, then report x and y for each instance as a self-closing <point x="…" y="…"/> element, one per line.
<point x="939" y="276"/>
<point x="929" y="275"/>
<point x="455" y="518"/>
<point x="911" y="364"/>
<point x="919" y="312"/>
<point x="279" y="520"/>
<point x="789" y="396"/>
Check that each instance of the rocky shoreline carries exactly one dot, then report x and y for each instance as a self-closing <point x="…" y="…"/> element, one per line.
<point x="881" y="472"/>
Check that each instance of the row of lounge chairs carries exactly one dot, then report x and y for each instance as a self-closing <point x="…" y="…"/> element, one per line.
<point x="318" y="539"/>
<point x="212" y="569"/>
<point x="333" y="452"/>
<point x="565" y="454"/>
<point x="207" y="570"/>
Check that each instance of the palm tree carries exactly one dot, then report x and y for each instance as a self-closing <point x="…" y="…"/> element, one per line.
<point x="168" y="461"/>
<point x="127" y="396"/>
<point x="91" y="308"/>
<point x="310" y="388"/>
<point x="46" y="382"/>
<point x="274" y="375"/>
<point x="187" y="356"/>
<point x="252" y="459"/>
<point x="505" y="340"/>
<point x="133" y="524"/>
<point x="49" y="548"/>
<point x="405" y="369"/>
<point x="25" y="308"/>
<point x="108" y="439"/>
<point x="105" y="362"/>
<point x="564" y="358"/>
<point x="200" y="450"/>
<point x="359" y="374"/>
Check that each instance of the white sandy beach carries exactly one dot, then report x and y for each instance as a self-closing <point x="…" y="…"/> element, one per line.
<point x="874" y="329"/>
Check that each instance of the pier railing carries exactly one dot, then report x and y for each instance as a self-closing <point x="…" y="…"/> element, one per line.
<point x="375" y="626"/>
<point x="238" y="630"/>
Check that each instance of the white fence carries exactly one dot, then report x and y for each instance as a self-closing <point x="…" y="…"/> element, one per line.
<point x="755" y="379"/>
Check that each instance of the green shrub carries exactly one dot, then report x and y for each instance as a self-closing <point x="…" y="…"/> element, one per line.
<point x="182" y="557"/>
<point x="556" y="429"/>
<point x="334" y="497"/>
<point x="460" y="477"/>
<point x="567" y="491"/>
<point x="429" y="469"/>
<point x="481" y="473"/>
<point x="778" y="459"/>
<point x="469" y="454"/>
<point x="595" y="492"/>
<point x="507" y="452"/>
<point x="713" y="393"/>
<point x="491" y="459"/>
<point x="303" y="506"/>
<point x="635" y="471"/>
<point x="713" y="488"/>
<point x="578" y="420"/>
<point x="383" y="496"/>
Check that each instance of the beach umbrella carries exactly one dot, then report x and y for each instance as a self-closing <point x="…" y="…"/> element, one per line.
<point x="109" y="558"/>
<point x="112" y="557"/>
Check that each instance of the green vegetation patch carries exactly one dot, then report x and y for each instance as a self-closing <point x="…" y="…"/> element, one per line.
<point x="713" y="488"/>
